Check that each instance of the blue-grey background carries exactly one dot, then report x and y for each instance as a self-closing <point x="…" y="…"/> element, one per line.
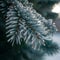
<point x="56" y="38"/>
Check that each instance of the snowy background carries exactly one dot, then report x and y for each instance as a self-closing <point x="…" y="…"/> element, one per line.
<point x="56" y="38"/>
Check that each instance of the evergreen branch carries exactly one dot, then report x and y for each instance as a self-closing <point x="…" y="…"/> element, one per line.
<point x="30" y="16"/>
<point x="13" y="28"/>
<point x="50" y="48"/>
<point x="17" y="29"/>
<point x="32" y="27"/>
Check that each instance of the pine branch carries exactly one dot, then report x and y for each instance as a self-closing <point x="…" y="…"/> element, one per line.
<point x="17" y="29"/>
<point x="12" y="24"/>
<point x="50" y="48"/>
<point x="24" y="22"/>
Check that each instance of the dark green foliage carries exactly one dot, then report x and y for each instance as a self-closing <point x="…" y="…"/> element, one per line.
<point x="28" y="53"/>
<point x="50" y="47"/>
<point x="51" y="15"/>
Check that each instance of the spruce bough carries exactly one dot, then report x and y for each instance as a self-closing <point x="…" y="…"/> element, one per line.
<point x="28" y="29"/>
